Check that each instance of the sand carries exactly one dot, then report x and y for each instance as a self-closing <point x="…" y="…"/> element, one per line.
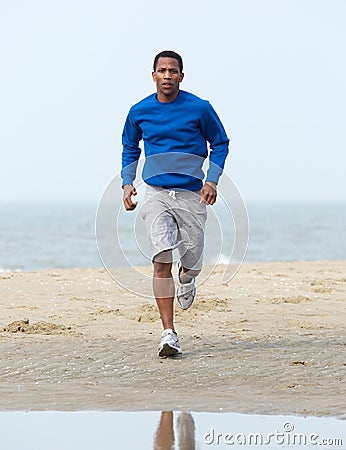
<point x="272" y="340"/>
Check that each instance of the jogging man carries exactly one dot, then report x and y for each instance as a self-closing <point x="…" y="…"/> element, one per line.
<point x="175" y="127"/>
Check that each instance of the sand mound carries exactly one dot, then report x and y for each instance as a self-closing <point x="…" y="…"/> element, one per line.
<point x="146" y="313"/>
<point x="294" y="299"/>
<point x="23" y="326"/>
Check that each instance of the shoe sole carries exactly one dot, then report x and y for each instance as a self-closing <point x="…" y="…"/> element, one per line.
<point x="167" y="350"/>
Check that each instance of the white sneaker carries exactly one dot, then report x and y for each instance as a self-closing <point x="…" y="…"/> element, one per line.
<point x="186" y="292"/>
<point x="169" y="344"/>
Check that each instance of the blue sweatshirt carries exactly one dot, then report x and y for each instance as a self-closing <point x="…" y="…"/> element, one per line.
<point x="175" y="136"/>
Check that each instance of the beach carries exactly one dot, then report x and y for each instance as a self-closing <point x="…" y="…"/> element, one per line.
<point x="272" y="340"/>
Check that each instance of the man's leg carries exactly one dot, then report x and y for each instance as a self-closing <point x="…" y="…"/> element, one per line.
<point x="163" y="286"/>
<point x="191" y="220"/>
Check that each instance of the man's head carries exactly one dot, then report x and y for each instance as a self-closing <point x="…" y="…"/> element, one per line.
<point x="167" y="74"/>
<point x="169" y="54"/>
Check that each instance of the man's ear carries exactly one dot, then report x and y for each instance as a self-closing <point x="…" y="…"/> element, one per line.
<point x="153" y="74"/>
<point x="181" y="77"/>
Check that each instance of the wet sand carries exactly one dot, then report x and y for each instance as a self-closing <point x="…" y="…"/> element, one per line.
<point x="272" y="340"/>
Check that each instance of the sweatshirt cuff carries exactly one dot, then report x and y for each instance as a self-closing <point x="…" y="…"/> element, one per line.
<point x="127" y="180"/>
<point x="214" y="173"/>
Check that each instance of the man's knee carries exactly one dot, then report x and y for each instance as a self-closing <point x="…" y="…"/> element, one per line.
<point x="162" y="270"/>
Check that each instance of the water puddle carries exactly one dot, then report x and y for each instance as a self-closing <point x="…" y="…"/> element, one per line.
<point x="89" y="430"/>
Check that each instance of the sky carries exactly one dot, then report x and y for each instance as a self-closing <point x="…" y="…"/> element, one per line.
<point x="274" y="70"/>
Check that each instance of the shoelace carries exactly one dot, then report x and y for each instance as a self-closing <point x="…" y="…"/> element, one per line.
<point x="186" y="289"/>
<point x="169" y="337"/>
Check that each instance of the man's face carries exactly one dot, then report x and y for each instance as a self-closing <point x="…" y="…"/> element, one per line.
<point x="167" y="77"/>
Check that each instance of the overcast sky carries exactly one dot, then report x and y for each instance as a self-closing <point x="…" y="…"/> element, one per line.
<point x="274" y="70"/>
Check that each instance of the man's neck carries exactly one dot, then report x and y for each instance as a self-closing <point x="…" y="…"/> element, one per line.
<point x="166" y="99"/>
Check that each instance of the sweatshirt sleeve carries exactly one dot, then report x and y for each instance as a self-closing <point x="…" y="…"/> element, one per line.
<point x="214" y="132"/>
<point x="132" y="135"/>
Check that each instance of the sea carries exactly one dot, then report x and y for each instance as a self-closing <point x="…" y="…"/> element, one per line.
<point x="49" y="235"/>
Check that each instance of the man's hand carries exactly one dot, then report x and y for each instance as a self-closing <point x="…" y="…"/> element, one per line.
<point x="208" y="193"/>
<point x="129" y="190"/>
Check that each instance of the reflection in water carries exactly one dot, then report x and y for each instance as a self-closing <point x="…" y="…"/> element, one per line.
<point x="164" y="438"/>
<point x="125" y="430"/>
<point x="186" y="431"/>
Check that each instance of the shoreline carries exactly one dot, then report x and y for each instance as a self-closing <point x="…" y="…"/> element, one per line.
<point x="271" y="341"/>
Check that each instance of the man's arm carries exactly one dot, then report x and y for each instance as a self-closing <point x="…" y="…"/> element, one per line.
<point x="214" y="132"/>
<point x="132" y="135"/>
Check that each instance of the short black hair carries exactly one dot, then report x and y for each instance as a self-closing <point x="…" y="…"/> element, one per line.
<point x="169" y="54"/>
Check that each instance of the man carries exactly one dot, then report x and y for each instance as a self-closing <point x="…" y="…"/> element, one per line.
<point x="175" y="127"/>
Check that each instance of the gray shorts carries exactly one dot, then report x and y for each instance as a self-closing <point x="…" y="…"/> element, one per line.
<point x="175" y="220"/>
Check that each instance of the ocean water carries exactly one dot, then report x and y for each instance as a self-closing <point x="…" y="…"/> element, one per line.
<point x="37" y="236"/>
